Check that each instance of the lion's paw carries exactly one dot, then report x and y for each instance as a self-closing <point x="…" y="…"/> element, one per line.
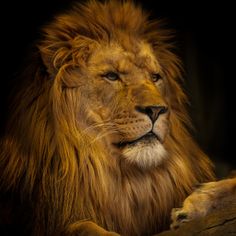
<point x="87" y="228"/>
<point x="178" y="217"/>
<point x="203" y="200"/>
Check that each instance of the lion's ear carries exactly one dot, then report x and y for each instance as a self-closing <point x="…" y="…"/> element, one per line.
<point x="75" y="52"/>
<point x="54" y="55"/>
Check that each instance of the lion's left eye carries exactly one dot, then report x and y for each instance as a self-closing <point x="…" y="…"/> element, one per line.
<point x="111" y="76"/>
<point x="156" y="77"/>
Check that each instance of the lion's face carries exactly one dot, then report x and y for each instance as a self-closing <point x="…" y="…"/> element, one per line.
<point x="123" y="92"/>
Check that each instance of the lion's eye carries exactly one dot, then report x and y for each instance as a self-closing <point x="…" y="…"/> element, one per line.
<point x="111" y="76"/>
<point x="156" y="77"/>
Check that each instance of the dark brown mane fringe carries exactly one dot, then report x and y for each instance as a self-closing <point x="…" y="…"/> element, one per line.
<point x="46" y="158"/>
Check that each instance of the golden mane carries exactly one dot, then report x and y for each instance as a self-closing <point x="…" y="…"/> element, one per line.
<point x="63" y="172"/>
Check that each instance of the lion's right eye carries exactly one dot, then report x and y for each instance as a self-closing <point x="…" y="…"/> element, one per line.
<point x="111" y="76"/>
<point x="156" y="77"/>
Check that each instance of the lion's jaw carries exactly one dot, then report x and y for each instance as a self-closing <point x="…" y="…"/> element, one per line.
<point x="143" y="143"/>
<point x="145" y="154"/>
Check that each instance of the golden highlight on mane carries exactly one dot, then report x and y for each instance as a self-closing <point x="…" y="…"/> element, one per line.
<point x="55" y="158"/>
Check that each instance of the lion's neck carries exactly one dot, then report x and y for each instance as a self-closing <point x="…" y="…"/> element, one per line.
<point x="138" y="201"/>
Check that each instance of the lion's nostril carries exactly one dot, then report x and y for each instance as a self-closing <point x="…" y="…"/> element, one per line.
<point x="152" y="111"/>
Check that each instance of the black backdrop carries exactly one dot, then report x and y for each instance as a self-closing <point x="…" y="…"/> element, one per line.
<point x="206" y="42"/>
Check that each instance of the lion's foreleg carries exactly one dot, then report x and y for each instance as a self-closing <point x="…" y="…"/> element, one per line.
<point x="203" y="200"/>
<point x="86" y="228"/>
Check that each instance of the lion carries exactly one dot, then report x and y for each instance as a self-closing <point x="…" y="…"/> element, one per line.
<point x="98" y="141"/>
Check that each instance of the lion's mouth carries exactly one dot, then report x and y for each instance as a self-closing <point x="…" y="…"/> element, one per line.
<point x="146" y="139"/>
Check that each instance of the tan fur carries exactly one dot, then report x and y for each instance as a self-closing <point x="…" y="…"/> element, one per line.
<point x="209" y="197"/>
<point x="58" y="151"/>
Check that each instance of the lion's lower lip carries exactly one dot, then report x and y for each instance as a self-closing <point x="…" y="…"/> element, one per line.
<point x="146" y="138"/>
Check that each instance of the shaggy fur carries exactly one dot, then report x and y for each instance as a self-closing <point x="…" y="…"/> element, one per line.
<point x="58" y="156"/>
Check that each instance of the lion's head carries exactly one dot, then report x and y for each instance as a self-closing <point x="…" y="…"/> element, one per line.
<point x="99" y="129"/>
<point x="122" y="79"/>
<point x="121" y="99"/>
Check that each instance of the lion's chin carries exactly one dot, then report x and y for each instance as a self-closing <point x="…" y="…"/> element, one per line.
<point x="145" y="155"/>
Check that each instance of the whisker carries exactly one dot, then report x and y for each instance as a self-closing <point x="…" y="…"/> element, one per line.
<point x="100" y="136"/>
<point x="103" y="125"/>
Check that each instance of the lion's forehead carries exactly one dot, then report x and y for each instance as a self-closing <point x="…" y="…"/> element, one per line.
<point x="124" y="60"/>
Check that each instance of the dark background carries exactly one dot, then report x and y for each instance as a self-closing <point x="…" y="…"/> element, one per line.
<point x="206" y="43"/>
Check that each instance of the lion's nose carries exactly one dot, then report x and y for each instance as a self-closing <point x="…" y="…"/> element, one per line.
<point x="152" y="111"/>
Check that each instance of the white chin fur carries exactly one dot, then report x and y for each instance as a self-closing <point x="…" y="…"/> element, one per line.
<point x="145" y="155"/>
